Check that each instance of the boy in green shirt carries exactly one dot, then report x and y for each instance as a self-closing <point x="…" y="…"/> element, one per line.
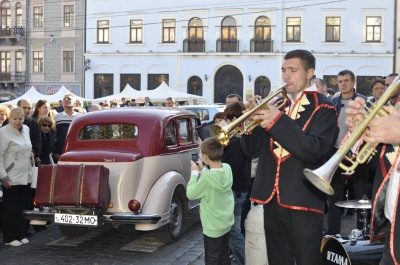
<point x="214" y="188"/>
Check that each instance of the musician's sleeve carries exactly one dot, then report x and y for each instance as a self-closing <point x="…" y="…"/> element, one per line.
<point x="311" y="145"/>
<point x="252" y="144"/>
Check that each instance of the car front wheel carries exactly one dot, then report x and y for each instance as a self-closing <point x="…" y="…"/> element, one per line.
<point x="171" y="231"/>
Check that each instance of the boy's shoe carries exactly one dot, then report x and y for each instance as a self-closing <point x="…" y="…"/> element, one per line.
<point x="14" y="243"/>
<point x="24" y="241"/>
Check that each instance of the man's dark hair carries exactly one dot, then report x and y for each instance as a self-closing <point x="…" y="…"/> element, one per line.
<point x="377" y="80"/>
<point x="330" y="91"/>
<point x="392" y="74"/>
<point x="234" y="95"/>
<point x="306" y="58"/>
<point x="347" y="72"/>
<point x="234" y="110"/>
<point x="322" y="81"/>
<point x="212" y="148"/>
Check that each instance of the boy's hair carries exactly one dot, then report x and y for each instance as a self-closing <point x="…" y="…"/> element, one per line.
<point x="212" y="148"/>
<point x="234" y="110"/>
<point x="306" y="58"/>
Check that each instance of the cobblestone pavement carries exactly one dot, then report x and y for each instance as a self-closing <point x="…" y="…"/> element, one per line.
<point x="125" y="246"/>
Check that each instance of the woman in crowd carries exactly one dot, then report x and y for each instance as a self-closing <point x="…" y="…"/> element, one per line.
<point x="4" y="114"/>
<point x="218" y="117"/>
<point x="46" y="124"/>
<point x="42" y="109"/>
<point x="16" y="161"/>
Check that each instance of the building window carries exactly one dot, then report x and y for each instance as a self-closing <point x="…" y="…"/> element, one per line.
<point x="155" y="80"/>
<point x="18" y="13"/>
<point x="195" y="86"/>
<point x="38" y="17"/>
<point x="374" y="29"/>
<point x="363" y="84"/>
<point x="332" y="33"/>
<point x="103" y="31"/>
<point x="195" y="29"/>
<point x="168" y="30"/>
<point x="262" y="86"/>
<point x="103" y="85"/>
<point x="18" y="62"/>
<point x="68" y="61"/>
<point x="129" y="79"/>
<point x="293" y="29"/>
<point x="5" y="65"/>
<point x="332" y="82"/>
<point x="228" y="29"/>
<point x="69" y="16"/>
<point x="6" y="15"/>
<point x="38" y="62"/>
<point x="262" y="28"/>
<point x="136" y="31"/>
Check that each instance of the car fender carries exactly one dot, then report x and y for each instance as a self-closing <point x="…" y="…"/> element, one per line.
<point x="159" y="199"/>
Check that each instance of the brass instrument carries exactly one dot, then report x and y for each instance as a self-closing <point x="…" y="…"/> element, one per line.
<point x="322" y="176"/>
<point x="222" y="134"/>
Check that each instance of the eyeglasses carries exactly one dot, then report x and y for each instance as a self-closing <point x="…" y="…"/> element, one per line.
<point x="46" y="125"/>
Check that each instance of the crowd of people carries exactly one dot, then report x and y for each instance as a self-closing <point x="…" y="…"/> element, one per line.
<point x="310" y="128"/>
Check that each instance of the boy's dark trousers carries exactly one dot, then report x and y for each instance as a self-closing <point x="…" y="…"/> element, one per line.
<point x="217" y="250"/>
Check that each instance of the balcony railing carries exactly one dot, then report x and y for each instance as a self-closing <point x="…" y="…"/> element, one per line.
<point x="227" y="45"/>
<point x="261" y="45"/>
<point x="17" y="77"/>
<point x="12" y="32"/>
<point x="194" y="45"/>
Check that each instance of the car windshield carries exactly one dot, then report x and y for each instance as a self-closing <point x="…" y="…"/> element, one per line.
<point x="108" y="131"/>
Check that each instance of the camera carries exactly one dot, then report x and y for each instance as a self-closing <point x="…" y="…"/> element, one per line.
<point x="195" y="158"/>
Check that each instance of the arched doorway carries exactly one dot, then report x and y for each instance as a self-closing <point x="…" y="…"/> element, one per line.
<point x="228" y="80"/>
<point x="262" y="86"/>
<point x="195" y="86"/>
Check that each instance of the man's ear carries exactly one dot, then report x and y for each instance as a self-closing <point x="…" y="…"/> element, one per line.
<point x="310" y="73"/>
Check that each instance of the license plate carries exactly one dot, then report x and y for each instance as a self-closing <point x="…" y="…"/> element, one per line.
<point x="75" y="219"/>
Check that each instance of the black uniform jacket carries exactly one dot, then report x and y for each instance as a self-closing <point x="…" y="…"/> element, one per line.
<point x="301" y="138"/>
<point x="387" y="160"/>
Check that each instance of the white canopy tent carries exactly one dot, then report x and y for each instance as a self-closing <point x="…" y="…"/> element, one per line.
<point x="59" y="95"/>
<point x="128" y="93"/>
<point x="31" y="94"/>
<point x="161" y="93"/>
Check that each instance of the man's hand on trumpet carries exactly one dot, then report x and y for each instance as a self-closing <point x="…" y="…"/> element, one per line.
<point x="380" y="130"/>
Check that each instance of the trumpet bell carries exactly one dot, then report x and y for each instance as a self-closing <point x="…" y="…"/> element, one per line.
<point x="319" y="182"/>
<point x="220" y="134"/>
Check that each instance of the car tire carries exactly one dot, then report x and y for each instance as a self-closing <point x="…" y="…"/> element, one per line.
<point x="169" y="233"/>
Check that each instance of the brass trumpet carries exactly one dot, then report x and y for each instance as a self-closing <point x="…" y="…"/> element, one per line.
<point x="322" y="176"/>
<point x="222" y="134"/>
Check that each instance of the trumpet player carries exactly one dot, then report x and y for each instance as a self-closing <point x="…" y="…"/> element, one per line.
<point x="385" y="220"/>
<point x="300" y="135"/>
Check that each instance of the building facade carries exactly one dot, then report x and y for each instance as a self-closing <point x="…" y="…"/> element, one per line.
<point x="55" y="45"/>
<point x="215" y="49"/>
<point x="12" y="49"/>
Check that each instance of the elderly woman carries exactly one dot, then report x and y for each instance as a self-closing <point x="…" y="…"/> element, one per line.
<point x="4" y="114"/>
<point x="16" y="160"/>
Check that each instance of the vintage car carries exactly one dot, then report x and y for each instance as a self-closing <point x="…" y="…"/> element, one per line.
<point x="147" y="151"/>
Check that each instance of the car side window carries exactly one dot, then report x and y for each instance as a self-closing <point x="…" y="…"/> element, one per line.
<point x="195" y="134"/>
<point x="184" y="132"/>
<point x="205" y="115"/>
<point x="170" y="135"/>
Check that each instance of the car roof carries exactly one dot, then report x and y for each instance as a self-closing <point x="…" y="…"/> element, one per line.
<point x="125" y="114"/>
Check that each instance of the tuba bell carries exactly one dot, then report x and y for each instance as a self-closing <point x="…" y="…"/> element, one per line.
<point x="322" y="176"/>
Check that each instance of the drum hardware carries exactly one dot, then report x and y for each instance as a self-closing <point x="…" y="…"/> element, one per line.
<point x="364" y="205"/>
<point x="322" y="176"/>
